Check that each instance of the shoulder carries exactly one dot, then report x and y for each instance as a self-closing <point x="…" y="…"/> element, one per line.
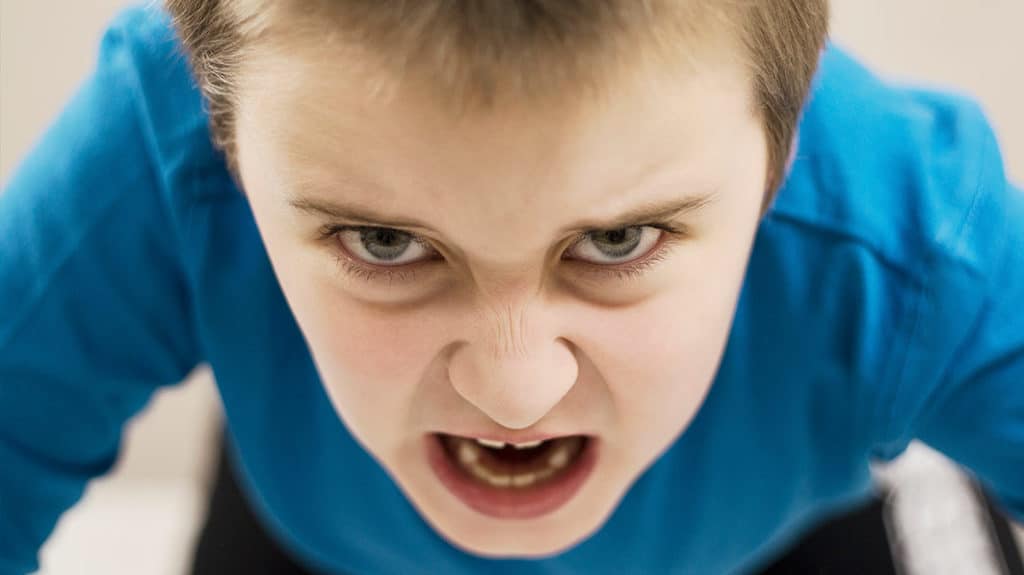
<point x="900" y="194"/>
<point x="900" y="170"/>
<point x="141" y="47"/>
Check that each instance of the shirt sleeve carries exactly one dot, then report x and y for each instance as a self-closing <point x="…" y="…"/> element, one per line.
<point x="975" y="414"/>
<point x="95" y="312"/>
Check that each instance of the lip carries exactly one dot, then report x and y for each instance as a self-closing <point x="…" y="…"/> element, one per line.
<point x="504" y="503"/>
<point x="512" y="438"/>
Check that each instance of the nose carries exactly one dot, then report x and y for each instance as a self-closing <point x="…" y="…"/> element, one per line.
<point x="514" y="369"/>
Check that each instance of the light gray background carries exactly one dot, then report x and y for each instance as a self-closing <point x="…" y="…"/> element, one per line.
<point x="142" y="518"/>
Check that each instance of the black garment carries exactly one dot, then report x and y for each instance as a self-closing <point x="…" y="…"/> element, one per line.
<point x="852" y="543"/>
<point x="232" y="541"/>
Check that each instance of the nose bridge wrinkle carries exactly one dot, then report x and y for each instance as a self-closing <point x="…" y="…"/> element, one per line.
<point x="509" y="324"/>
<point x="512" y="369"/>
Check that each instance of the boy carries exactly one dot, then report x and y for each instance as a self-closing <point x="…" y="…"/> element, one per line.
<point x="403" y="253"/>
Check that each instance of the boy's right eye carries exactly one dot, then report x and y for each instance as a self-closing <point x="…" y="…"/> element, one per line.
<point x="382" y="246"/>
<point x="357" y="250"/>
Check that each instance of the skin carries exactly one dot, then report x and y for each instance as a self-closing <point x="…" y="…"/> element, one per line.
<point x="506" y="324"/>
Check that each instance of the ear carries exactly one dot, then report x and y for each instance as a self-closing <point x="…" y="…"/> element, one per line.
<point x="769" y="196"/>
<point x="793" y="145"/>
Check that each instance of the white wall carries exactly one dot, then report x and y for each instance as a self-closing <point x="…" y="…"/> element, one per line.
<point x="48" y="46"/>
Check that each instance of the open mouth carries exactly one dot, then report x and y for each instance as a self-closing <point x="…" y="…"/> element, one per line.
<point x="512" y="481"/>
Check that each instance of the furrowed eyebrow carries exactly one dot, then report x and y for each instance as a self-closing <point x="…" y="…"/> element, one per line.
<point x="352" y="213"/>
<point x="646" y="213"/>
<point x="639" y="215"/>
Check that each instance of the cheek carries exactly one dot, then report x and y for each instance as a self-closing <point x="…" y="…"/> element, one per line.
<point x="363" y="353"/>
<point x="363" y="345"/>
<point x="671" y="349"/>
<point x="659" y="360"/>
<point x="369" y="362"/>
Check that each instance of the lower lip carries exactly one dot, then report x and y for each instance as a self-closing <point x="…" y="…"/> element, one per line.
<point x="512" y="503"/>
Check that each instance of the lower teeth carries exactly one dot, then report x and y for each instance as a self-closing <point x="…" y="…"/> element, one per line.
<point x="466" y="453"/>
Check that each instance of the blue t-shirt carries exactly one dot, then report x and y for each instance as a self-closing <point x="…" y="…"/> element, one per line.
<point x="884" y="301"/>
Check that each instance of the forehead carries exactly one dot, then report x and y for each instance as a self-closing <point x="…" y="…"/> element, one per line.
<point x="323" y="119"/>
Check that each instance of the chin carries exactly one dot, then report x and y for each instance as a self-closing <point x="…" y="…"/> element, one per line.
<point x="518" y="543"/>
<point x="492" y="538"/>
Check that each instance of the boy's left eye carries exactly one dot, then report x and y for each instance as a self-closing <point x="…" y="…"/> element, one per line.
<point x="369" y="252"/>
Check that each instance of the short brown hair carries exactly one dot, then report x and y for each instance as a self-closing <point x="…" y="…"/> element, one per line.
<point x="474" y="49"/>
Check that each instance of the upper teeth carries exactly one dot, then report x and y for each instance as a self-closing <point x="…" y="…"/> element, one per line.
<point x="468" y="456"/>
<point x="527" y="444"/>
<point x="491" y="443"/>
<point x="500" y="444"/>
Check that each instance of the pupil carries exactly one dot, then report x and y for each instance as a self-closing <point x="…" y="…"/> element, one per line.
<point x="385" y="237"/>
<point x="385" y="244"/>
<point x="614" y="239"/>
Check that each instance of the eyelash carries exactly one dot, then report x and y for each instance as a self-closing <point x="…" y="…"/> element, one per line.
<point x="624" y="272"/>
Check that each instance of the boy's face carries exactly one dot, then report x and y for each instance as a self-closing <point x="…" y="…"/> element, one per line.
<point x="498" y="320"/>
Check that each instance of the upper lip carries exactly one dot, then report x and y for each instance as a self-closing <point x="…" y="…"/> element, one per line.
<point x="512" y="437"/>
